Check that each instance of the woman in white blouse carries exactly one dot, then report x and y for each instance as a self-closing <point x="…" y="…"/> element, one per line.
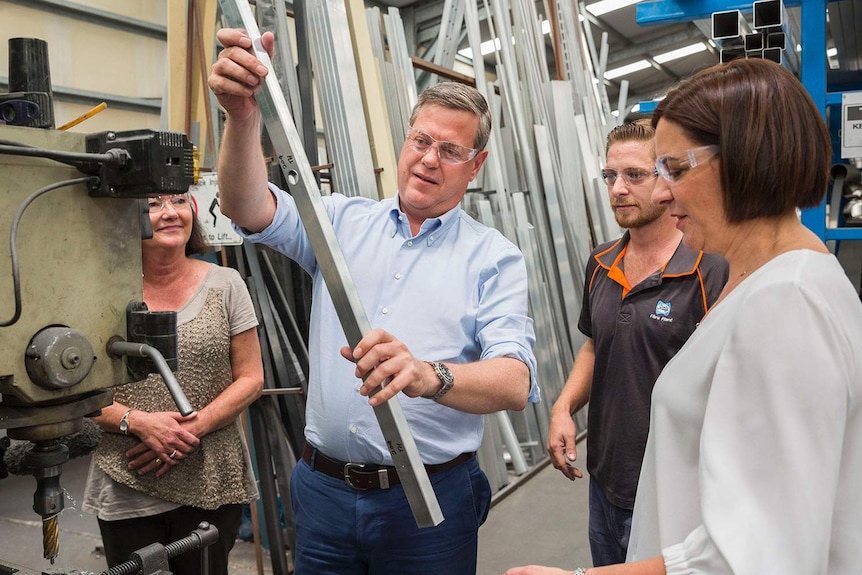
<point x="754" y="456"/>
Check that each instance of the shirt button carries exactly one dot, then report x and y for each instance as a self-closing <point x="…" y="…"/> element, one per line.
<point x="400" y="218"/>
<point x="385" y="310"/>
<point x="353" y="429"/>
<point x="410" y="244"/>
<point x="430" y="238"/>
<point x="398" y="276"/>
<point x="358" y="387"/>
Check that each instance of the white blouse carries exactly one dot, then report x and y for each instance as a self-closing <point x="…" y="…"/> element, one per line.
<point x="754" y="457"/>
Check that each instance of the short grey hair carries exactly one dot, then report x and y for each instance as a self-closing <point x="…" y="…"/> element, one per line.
<point x="457" y="96"/>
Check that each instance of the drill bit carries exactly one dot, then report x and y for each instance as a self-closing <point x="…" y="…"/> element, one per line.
<point x="51" y="537"/>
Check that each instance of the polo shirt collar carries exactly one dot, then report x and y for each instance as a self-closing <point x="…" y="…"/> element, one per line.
<point x="683" y="262"/>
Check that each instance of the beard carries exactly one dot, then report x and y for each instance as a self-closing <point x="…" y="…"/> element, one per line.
<point x="646" y="214"/>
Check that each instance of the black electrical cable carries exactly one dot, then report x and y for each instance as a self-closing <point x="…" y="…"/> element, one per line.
<point x="77" y="159"/>
<point x="13" y="235"/>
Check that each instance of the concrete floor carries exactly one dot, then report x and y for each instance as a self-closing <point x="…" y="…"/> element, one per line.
<point x="540" y="518"/>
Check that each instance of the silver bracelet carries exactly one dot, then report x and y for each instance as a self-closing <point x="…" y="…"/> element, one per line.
<point x="580" y="571"/>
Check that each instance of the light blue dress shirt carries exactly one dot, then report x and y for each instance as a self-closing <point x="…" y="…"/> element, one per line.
<point x="457" y="292"/>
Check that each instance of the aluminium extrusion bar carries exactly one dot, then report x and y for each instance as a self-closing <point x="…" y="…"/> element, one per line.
<point x="391" y="87"/>
<point x="507" y="432"/>
<point x="519" y="111"/>
<point x="561" y="240"/>
<point x="347" y="139"/>
<point x="301" y="184"/>
<point x="493" y="162"/>
<point x="273" y="16"/>
<point x="450" y="33"/>
<point x="547" y="352"/>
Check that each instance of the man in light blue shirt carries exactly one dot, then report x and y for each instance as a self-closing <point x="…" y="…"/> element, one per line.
<point x="447" y="297"/>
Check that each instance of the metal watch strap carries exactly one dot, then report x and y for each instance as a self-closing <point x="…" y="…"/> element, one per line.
<point x="445" y="376"/>
<point x="124" y="423"/>
<point x="580" y="571"/>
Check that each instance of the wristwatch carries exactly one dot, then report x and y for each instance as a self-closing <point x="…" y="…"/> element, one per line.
<point x="124" y="423"/>
<point x="445" y="376"/>
<point x="580" y="571"/>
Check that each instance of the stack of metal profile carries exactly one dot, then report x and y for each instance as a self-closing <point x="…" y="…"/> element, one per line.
<point x="346" y="133"/>
<point x="768" y="36"/>
<point x="540" y="186"/>
<point x="541" y="183"/>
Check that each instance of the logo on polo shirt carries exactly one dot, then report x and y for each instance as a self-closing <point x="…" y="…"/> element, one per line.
<point x="662" y="311"/>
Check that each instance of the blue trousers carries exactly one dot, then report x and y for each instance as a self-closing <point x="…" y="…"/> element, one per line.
<point x="610" y="527"/>
<point x="343" y="531"/>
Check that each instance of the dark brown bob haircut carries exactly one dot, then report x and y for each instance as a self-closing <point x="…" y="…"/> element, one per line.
<point x="775" y="148"/>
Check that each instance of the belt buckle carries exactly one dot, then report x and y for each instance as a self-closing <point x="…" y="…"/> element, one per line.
<point x="347" y="468"/>
<point x="382" y="476"/>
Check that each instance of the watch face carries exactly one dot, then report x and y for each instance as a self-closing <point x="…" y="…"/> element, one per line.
<point x="445" y="377"/>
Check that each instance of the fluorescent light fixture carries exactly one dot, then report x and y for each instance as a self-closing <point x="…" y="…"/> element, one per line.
<point x="627" y="69"/>
<point x="680" y="52"/>
<point x="832" y="52"/>
<point x="636" y="108"/>
<point x="605" y="6"/>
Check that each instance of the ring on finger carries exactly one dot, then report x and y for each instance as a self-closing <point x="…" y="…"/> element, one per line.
<point x="157" y="461"/>
<point x="173" y="454"/>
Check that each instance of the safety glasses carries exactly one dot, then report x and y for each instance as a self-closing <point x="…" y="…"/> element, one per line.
<point x="157" y="203"/>
<point x="448" y="152"/>
<point x="672" y="167"/>
<point x="631" y="176"/>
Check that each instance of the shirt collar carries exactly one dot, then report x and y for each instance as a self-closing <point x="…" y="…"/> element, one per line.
<point x="432" y="229"/>
<point x="683" y="262"/>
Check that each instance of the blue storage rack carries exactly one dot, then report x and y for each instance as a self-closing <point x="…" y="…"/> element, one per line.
<point x="812" y="71"/>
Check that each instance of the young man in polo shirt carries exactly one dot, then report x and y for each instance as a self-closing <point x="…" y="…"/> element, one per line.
<point x="643" y="297"/>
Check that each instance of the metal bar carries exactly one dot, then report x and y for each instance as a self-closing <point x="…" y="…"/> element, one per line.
<point x="400" y="53"/>
<point x="305" y="81"/>
<point x="302" y="186"/>
<point x="333" y="61"/>
<point x="493" y="166"/>
<point x="284" y="365"/>
<point x="295" y="338"/>
<point x="507" y="432"/>
<point x="520" y="113"/>
<point x="449" y="29"/>
<point x="268" y="492"/>
<point x="571" y="297"/>
<point x="143" y="350"/>
<point x="273" y="16"/>
<point x="622" y="102"/>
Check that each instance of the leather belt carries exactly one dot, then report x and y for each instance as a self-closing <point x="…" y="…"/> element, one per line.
<point x="361" y="476"/>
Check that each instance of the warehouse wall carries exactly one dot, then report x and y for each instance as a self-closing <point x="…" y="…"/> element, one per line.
<point x="92" y="57"/>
